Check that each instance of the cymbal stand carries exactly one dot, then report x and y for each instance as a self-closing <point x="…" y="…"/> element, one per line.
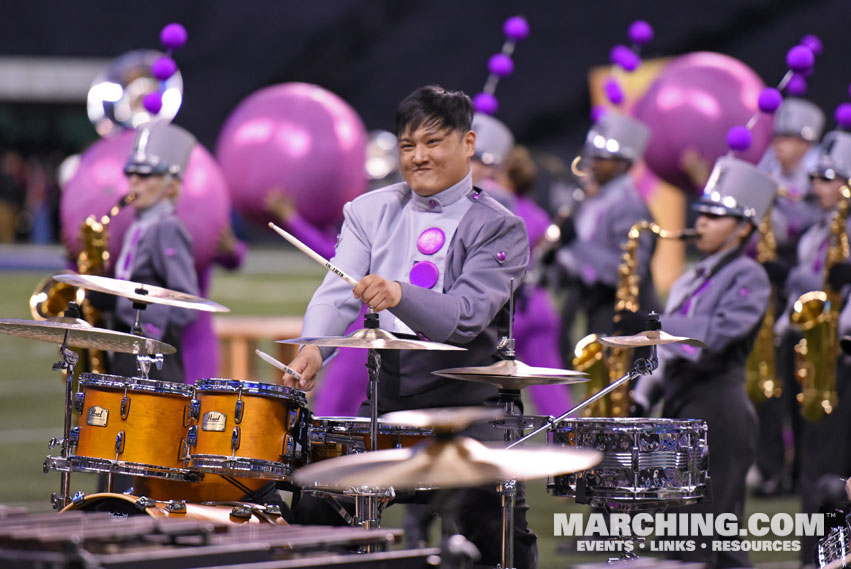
<point x="366" y="504"/>
<point x="66" y="364"/>
<point x="507" y="489"/>
<point x="139" y="307"/>
<point x="642" y="366"/>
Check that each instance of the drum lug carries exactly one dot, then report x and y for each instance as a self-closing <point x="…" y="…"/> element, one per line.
<point x="195" y="409"/>
<point x="289" y="447"/>
<point x="143" y="503"/>
<point x="74" y="437"/>
<point x="125" y="407"/>
<point x="78" y="497"/>
<point x="292" y="418"/>
<point x="119" y="444"/>
<point x="192" y="436"/>
<point x="79" y="401"/>
<point x="273" y="510"/>
<point x="237" y="412"/>
<point x="235" y="439"/>
<point x="175" y="507"/>
<point x="241" y="512"/>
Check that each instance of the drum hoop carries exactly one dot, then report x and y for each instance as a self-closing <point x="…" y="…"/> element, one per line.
<point x="633" y="424"/>
<point x="214" y="385"/>
<point x="224" y="465"/>
<point x="79" y="463"/>
<point x="324" y="423"/>
<point x="119" y="382"/>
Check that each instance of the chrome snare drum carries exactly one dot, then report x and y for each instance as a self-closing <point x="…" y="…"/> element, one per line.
<point x="331" y="437"/>
<point x="131" y="426"/>
<point x="247" y="429"/>
<point x="646" y="462"/>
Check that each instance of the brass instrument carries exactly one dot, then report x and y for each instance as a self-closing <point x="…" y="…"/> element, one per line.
<point x="51" y="298"/>
<point x="761" y="380"/>
<point x="816" y="313"/>
<point x="589" y="354"/>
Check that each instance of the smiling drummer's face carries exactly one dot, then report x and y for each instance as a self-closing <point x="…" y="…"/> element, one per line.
<point x="434" y="158"/>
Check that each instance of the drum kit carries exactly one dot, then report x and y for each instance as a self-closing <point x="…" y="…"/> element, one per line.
<point x="249" y="433"/>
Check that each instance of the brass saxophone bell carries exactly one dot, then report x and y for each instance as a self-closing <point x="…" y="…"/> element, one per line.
<point x="115" y="99"/>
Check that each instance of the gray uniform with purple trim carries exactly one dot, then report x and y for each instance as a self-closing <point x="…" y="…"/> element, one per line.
<point x="485" y="246"/>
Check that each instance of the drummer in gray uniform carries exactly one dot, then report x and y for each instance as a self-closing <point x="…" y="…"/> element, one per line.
<point x="720" y="301"/>
<point x="793" y="153"/>
<point x="434" y="257"/>
<point x="823" y="444"/>
<point x="157" y="248"/>
<point x="592" y="236"/>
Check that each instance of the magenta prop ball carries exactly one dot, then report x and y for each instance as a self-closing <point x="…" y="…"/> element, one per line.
<point x="298" y="139"/>
<point x="692" y="105"/>
<point x="739" y="138"/>
<point x="640" y="32"/>
<point x="813" y="42"/>
<point x="516" y="28"/>
<point x="769" y="100"/>
<point x="99" y="182"/>
<point x="843" y="116"/>
<point x="597" y="113"/>
<point x="173" y="36"/>
<point x="163" y="68"/>
<point x="797" y="85"/>
<point x="153" y="102"/>
<point x="485" y="103"/>
<point x="613" y="91"/>
<point x="501" y="65"/>
<point x="800" y="59"/>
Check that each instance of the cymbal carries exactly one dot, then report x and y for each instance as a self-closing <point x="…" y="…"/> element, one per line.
<point x="375" y="338"/>
<point x="437" y="463"/>
<point x="153" y="294"/>
<point x="82" y="335"/>
<point x="445" y="418"/>
<point x="648" y="338"/>
<point x="513" y="374"/>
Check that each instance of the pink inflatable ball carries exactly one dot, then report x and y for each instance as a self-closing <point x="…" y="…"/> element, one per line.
<point x="99" y="182"/>
<point x="295" y="138"/>
<point x="692" y="105"/>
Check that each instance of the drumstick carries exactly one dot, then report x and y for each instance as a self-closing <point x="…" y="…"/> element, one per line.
<point x="281" y="366"/>
<point x="313" y="254"/>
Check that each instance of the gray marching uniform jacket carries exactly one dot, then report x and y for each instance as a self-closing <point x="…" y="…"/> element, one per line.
<point x="485" y="246"/>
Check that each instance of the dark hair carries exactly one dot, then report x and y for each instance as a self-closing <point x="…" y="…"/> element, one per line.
<point x="520" y="169"/>
<point x="433" y="105"/>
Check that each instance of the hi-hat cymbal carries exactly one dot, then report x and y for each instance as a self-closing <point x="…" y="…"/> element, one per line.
<point x="438" y="463"/>
<point x="513" y="374"/>
<point x="152" y="295"/>
<point x="375" y="338"/>
<point x="82" y="335"/>
<point x="445" y="418"/>
<point x="648" y="338"/>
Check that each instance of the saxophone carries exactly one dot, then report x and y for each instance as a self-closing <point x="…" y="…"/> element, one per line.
<point x="589" y="356"/>
<point x="816" y="313"/>
<point x="51" y="298"/>
<point x="761" y="368"/>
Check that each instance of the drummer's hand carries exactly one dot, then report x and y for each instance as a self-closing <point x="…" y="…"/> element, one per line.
<point x="378" y="292"/>
<point x="307" y="363"/>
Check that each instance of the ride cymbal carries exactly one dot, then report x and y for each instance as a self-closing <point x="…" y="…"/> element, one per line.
<point x="513" y="374"/>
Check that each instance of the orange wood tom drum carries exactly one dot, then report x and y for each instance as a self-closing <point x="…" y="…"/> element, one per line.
<point x="125" y="505"/>
<point x="248" y="429"/>
<point x="131" y="426"/>
<point x="331" y="437"/>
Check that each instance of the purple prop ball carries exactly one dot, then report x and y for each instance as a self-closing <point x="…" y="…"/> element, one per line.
<point x="769" y="100"/>
<point x="501" y="65"/>
<point x="173" y="36"/>
<point x="692" y="104"/>
<point x="640" y="32"/>
<point x="516" y="28"/>
<point x="812" y="42"/>
<point x="153" y="102"/>
<point x="843" y="115"/>
<point x="299" y="139"/>
<point x="613" y="91"/>
<point x="625" y="57"/>
<point x="99" y="182"/>
<point x="597" y="113"/>
<point x="485" y="103"/>
<point x="797" y="85"/>
<point x="800" y="59"/>
<point x="739" y="138"/>
<point x="163" y="68"/>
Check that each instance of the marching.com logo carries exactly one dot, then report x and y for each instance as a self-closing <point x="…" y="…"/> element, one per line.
<point x="730" y="534"/>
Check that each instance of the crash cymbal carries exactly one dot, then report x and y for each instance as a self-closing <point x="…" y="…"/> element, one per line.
<point x="444" y="419"/>
<point x="370" y="338"/>
<point x="444" y="463"/>
<point x="82" y="335"/>
<point x="648" y="338"/>
<point x="152" y="295"/>
<point x="513" y="374"/>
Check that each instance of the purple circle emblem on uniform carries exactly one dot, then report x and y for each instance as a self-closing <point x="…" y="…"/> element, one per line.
<point x="424" y="274"/>
<point x="431" y="240"/>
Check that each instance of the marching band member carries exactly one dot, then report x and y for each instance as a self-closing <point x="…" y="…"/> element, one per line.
<point x="720" y="301"/>
<point x="157" y="248"/>
<point x="434" y="257"/>
<point x="797" y="126"/>
<point x="592" y="237"/>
